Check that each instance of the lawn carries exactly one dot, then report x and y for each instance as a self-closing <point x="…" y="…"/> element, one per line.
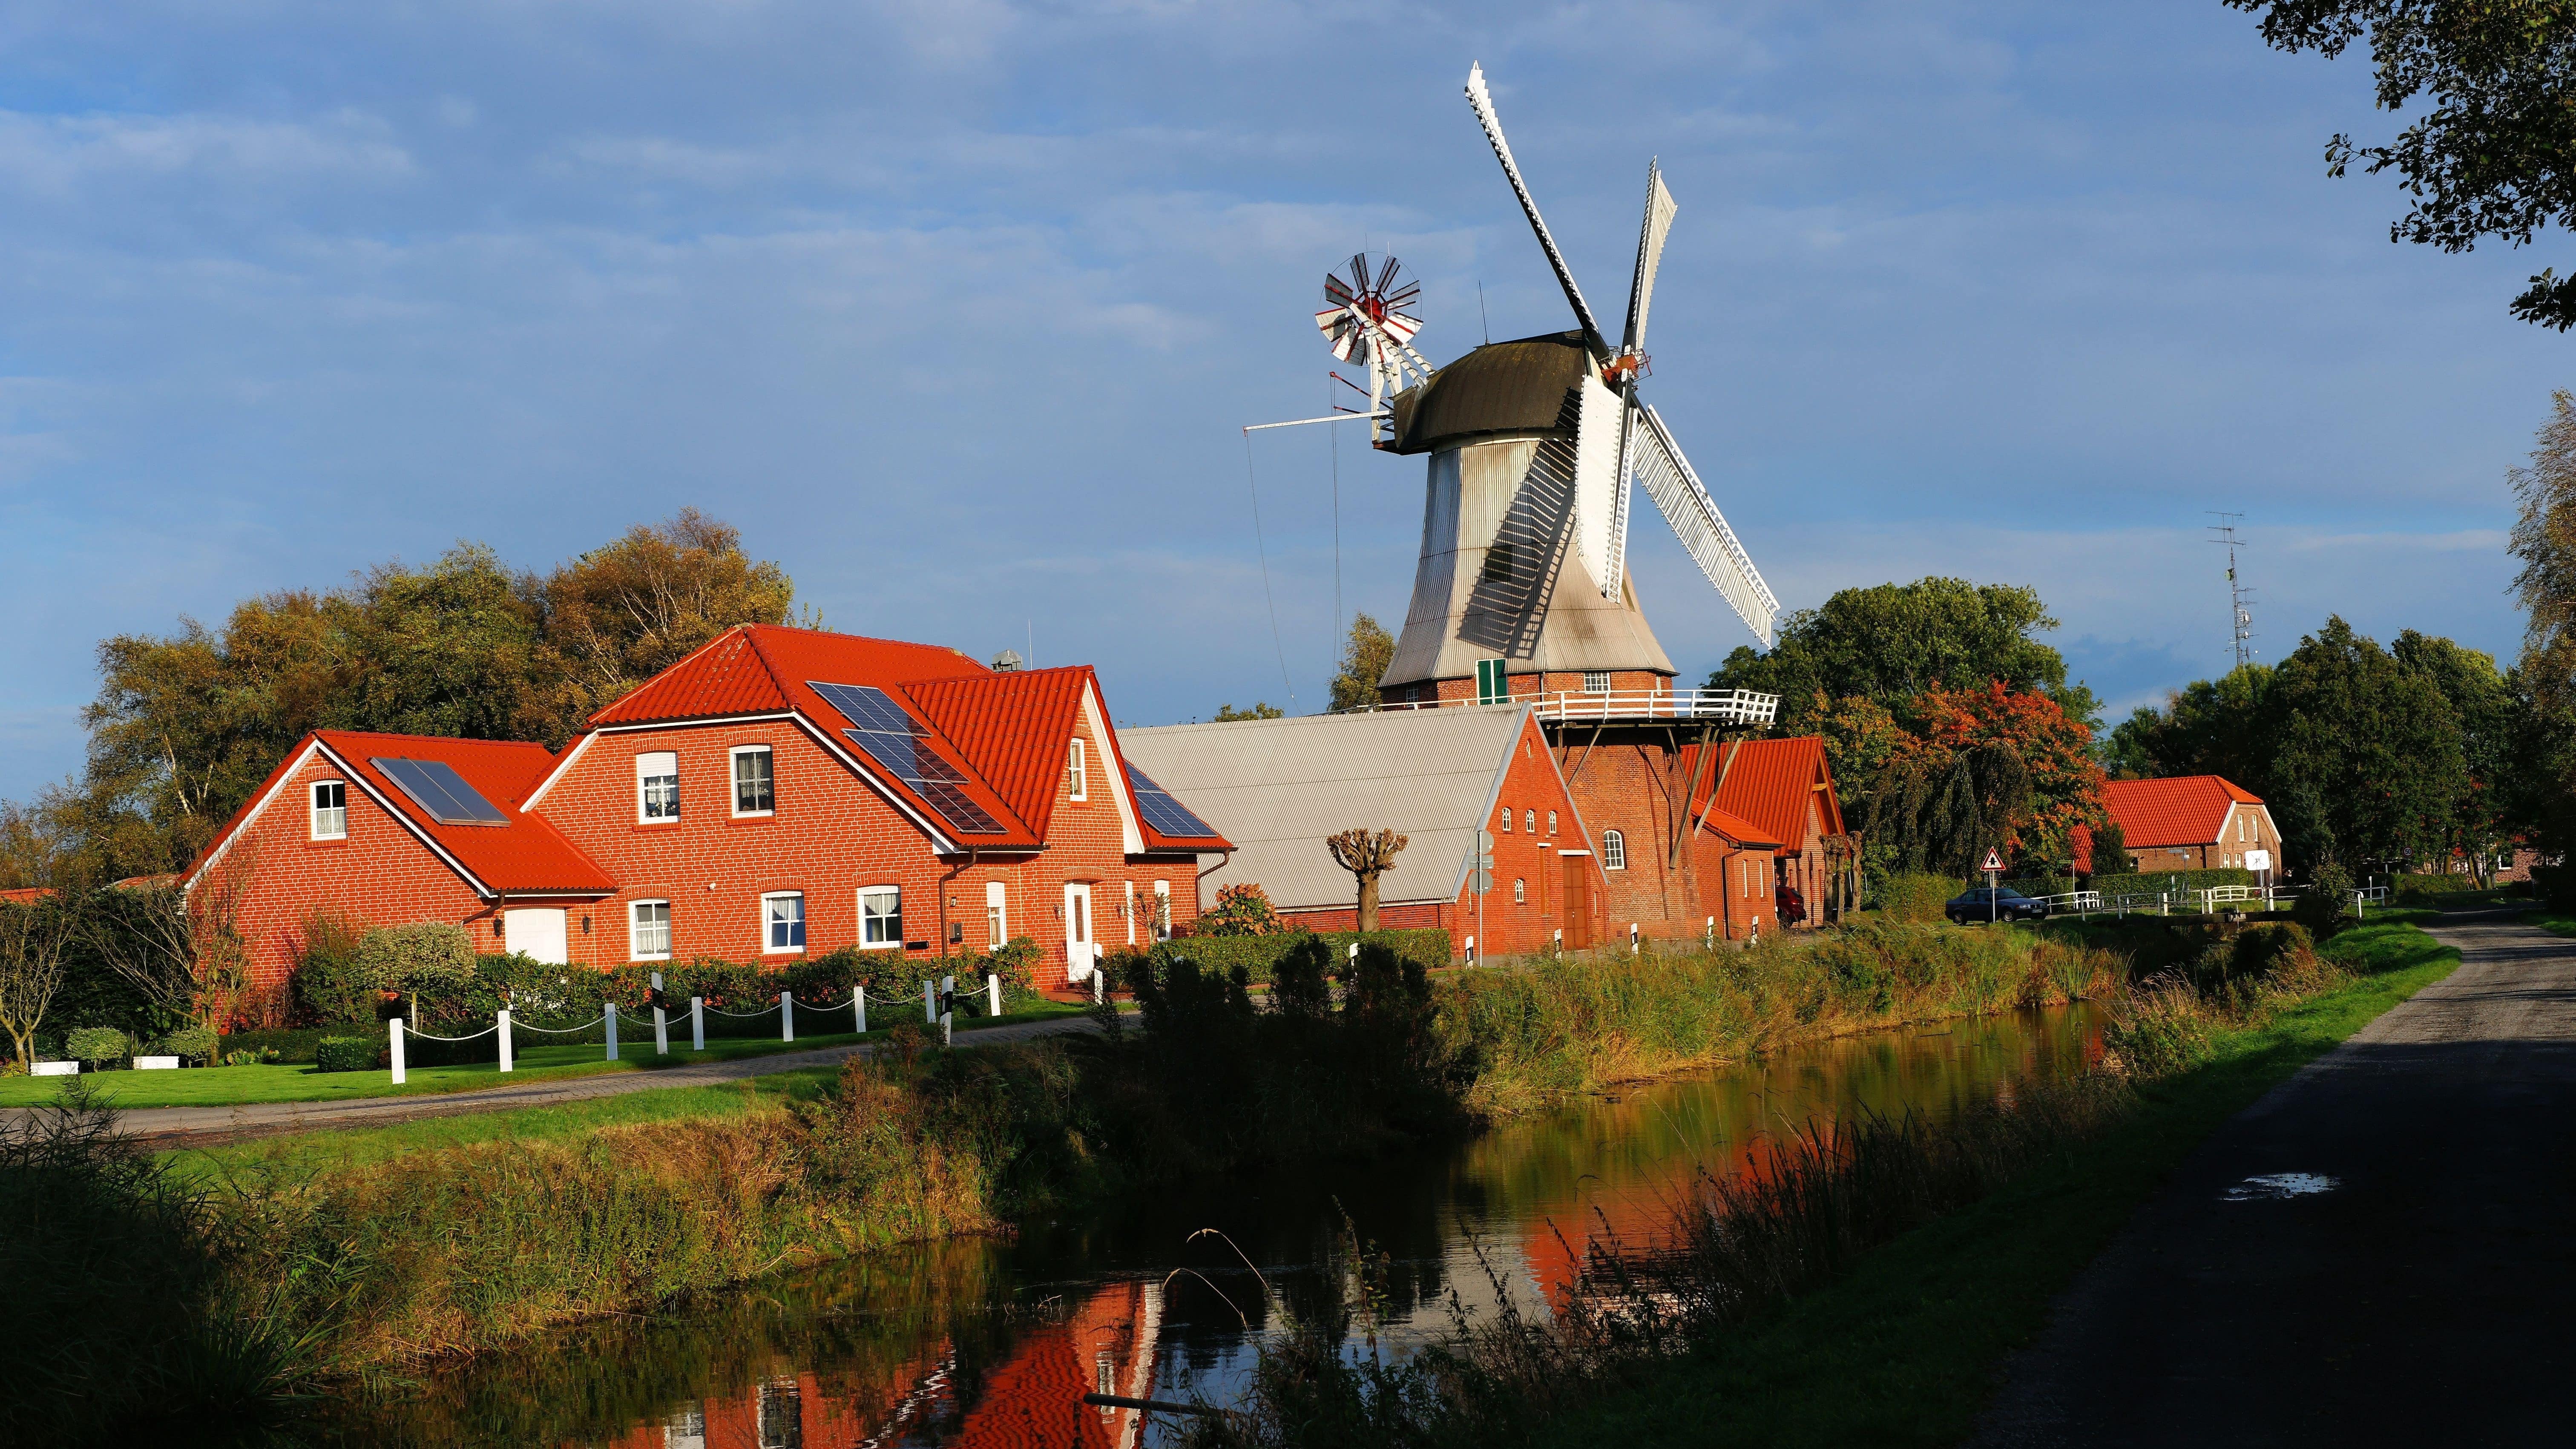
<point x="1905" y="1350"/>
<point x="319" y="1151"/>
<point x="233" y="1086"/>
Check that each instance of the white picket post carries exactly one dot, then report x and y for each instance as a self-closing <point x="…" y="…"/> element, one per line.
<point x="1632" y="938"/>
<point x="1471" y="950"/>
<point x="611" y="1014"/>
<point x="661" y="1023"/>
<point x="859" y="1007"/>
<point x="993" y="990"/>
<point x="1708" y="937"/>
<point x="505" y="1038"/>
<point x="398" y="1051"/>
<point x="787" y="1016"/>
<point x="1559" y="943"/>
<point x="697" y="1023"/>
<point x="930" y="1003"/>
<point x="947" y="1020"/>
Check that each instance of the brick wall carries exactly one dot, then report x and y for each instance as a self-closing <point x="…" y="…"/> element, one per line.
<point x="380" y="875"/>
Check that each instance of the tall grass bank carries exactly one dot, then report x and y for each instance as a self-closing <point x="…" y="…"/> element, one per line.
<point x="274" y="1274"/>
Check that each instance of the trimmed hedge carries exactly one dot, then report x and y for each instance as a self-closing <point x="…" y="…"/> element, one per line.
<point x="187" y="1041"/>
<point x="294" y="1046"/>
<point x="2405" y="886"/>
<point x="1916" y="898"/>
<point x="1426" y="946"/>
<point x="97" y="1044"/>
<point x="345" y="1054"/>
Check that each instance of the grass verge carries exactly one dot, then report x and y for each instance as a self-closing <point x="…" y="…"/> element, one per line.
<point x="239" y="1086"/>
<point x="1903" y="1349"/>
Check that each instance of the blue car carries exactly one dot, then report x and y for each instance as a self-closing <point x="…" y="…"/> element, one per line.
<point x="1997" y="903"/>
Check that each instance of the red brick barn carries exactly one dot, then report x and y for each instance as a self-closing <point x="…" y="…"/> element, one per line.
<point x="1785" y="790"/>
<point x="778" y="793"/>
<point x="1278" y="788"/>
<point x="2186" y="822"/>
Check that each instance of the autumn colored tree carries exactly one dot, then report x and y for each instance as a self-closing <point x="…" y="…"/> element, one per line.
<point x="1240" y="910"/>
<point x="1366" y="854"/>
<point x="1985" y="768"/>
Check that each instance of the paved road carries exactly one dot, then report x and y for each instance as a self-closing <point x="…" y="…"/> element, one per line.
<point x="2411" y="1304"/>
<point x="206" y="1126"/>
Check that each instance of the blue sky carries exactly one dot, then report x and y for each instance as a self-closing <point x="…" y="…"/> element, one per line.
<point x="956" y="309"/>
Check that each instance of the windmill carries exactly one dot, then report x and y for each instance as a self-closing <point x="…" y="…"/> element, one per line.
<point x="1535" y="447"/>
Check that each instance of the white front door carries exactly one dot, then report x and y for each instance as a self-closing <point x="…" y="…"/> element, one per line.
<point x="535" y="934"/>
<point x="1080" y="951"/>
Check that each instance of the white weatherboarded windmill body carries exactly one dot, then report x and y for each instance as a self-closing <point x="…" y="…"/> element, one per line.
<point x="1535" y="446"/>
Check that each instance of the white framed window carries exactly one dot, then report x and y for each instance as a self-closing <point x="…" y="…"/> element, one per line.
<point x="1077" y="773"/>
<point x="1596" y="681"/>
<point x="881" y="918"/>
<point x="755" y="785"/>
<point x="782" y="916"/>
<point x="657" y="787"/>
<point x="1614" y="850"/>
<point x="997" y="914"/>
<point x="648" y="931"/>
<point x="1520" y="891"/>
<point x="1127" y="908"/>
<point x="1162" y="910"/>
<point x="2244" y="825"/>
<point x="330" y="810"/>
<point x="1507" y="820"/>
<point x="1551" y="822"/>
<point x="1529" y="822"/>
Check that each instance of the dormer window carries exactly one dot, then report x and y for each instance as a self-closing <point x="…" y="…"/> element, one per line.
<point x="1077" y="775"/>
<point x="657" y="787"/>
<point x="331" y="810"/>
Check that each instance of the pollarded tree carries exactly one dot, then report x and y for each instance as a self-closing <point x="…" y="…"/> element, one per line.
<point x="1367" y="855"/>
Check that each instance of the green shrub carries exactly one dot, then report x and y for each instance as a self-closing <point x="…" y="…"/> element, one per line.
<point x="96" y="1044"/>
<point x="196" y="1042"/>
<point x="2259" y="951"/>
<point x="294" y="1044"/>
<point x="325" y="984"/>
<point x="2554" y="885"/>
<point x="425" y="957"/>
<point x="2160" y="1029"/>
<point x="1426" y="947"/>
<point x="2413" y="888"/>
<point x="2322" y="906"/>
<point x="1240" y="910"/>
<point x="1913" y="898"/>
<point x="345" y="1053"/>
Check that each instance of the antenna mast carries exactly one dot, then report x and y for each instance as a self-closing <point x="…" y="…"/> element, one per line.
<point x="2240" y="617"/>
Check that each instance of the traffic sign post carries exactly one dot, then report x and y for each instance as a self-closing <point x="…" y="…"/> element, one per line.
<point x="1994" y="866"/>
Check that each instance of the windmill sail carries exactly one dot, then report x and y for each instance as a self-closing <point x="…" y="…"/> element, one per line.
<point x="1483" y="101"/>
<point x="1650" y="253"/>
<point x="1668" y="479"/>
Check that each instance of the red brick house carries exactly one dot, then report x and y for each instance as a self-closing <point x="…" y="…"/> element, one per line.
<point x="2187" y="822"/>
<point x="1785" y="789"/>
<point x="779" y="792"/>
<point x="1278" y="787"/>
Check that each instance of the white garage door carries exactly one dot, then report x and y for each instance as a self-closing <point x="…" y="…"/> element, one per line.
<point x="537" y="934"/>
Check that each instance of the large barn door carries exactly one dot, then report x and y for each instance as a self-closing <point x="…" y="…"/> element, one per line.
<point x="1576" y="900"/>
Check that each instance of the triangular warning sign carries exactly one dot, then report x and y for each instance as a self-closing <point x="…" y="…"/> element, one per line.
<point x="1994" y="861"/>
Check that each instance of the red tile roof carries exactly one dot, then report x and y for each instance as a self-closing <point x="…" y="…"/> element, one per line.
<point x="1012" y="728"/>
<point x="1736" y="828"/>
<point x="2184" y="810"/>
<point x="1768" y="784"/>
<point x="528" y="854"/>
<point x="760" y="668"/>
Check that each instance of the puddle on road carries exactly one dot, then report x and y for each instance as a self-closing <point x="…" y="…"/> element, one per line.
<point x="2281" y="1185"/>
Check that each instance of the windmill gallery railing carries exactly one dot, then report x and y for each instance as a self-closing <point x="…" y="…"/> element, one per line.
<point x="1700" y="706"/>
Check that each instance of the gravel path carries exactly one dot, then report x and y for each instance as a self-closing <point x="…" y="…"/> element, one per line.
<point x="208" y="1126"/>
<point x="2409" y="1302"/>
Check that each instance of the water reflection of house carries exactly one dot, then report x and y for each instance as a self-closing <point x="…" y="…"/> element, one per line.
<point x="1031" y="1400"/>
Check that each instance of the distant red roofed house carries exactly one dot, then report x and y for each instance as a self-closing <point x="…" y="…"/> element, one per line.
<point x="778" y="793"/>
<point x="2188" y="822"/>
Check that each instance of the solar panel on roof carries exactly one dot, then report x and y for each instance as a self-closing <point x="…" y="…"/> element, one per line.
<point x="900" y="746"/>
<point x="1161" y="811"/>
<point x="435" y="786"/>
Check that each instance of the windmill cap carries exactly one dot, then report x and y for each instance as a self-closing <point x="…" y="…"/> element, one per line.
<point x="1524" y="386"/>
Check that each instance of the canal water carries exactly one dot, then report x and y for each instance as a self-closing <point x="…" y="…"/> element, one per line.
<point x="982" y="1344"/>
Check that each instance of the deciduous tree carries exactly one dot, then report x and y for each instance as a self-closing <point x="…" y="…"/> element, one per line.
<point x="1893" y="642"/>
<point x="1365" y="657"/>
<point x="34" y="934"/>
<point x="1367" y="855"/>
<point x="2487" y="154"/>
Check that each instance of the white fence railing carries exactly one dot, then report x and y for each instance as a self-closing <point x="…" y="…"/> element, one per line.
<point x="1710" y="706"/>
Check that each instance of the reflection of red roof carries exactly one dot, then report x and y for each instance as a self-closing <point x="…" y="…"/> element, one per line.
<point x="2184" y="810"/>
<point x="26" y="895"/>
<point x="1769" y="784"/>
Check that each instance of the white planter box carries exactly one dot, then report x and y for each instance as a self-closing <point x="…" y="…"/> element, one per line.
<point x="156" y="1064"/>
<point x="56" y="1069"/>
